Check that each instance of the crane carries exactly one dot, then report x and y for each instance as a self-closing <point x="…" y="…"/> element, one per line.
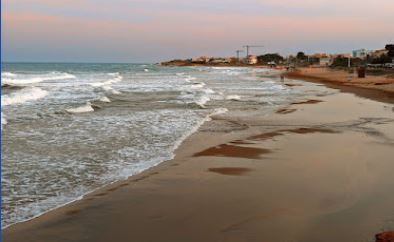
<point x="238" y="51"/>
<point x="251" y="46"/>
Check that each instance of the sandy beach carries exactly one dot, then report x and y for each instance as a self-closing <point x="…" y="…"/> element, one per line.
<point x="383" y="81"/>
<point x="317" y="170"/>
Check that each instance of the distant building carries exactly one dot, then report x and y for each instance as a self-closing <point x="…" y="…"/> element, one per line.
<point x="219" y="60"/>
<point x="361" y="53"/>
<point x="200" y="60"/>
<point x="321" y="59"/>
<point x="251" y="60"/>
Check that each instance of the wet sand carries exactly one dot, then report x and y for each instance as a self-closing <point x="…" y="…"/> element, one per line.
<point x="377" y="87"/>
<point x="321" y="173"/>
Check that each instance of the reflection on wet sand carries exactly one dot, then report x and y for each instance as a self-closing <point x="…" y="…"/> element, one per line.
<point x="226" y="150"/>
<point x="233" y="171"/>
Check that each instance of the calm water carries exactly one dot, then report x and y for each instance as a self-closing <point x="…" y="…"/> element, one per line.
<point x="68" y="129"/>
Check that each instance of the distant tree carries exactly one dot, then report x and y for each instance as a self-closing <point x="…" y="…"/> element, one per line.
<point x="390" y="48"/>
<point x="301" y="56"/>
<point x="264" y="59"/>
<point x="314" y="60"/>
<point x="383" y="59"/>
<point x="342" y="61"/>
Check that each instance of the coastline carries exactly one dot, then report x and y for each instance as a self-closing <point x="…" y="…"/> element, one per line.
<point x="379" y="88"/>
<point x="214" y="189"/>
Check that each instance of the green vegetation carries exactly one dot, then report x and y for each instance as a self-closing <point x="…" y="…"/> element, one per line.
<point x="342" y="61"/>
<point x="264" y="59"/>
<point x="390" y="48"/>
<point x="383" y="59"/>
<point x="301" y="56"/>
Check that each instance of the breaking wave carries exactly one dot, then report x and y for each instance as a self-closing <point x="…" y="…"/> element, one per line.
<point x="233" y="97"/>
<point x="9" y="78"/>
<point x="105" y="99"/>
<point x="22" y="96"/>
<point x="81" y="109"/>
<point x="117" y="78"/>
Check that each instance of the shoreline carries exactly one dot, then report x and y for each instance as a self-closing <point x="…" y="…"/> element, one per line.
<point x="166" y="176"/>
<point x="176" y="146"/>
<point x="370" y="87"/>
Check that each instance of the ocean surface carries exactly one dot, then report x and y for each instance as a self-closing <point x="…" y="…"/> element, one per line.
<point x="68" y="129"/>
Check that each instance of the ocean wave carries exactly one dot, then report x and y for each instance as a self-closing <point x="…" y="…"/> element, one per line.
<point x="198" y="85"/>
<point x="105" y="99"/>
<point x="190" y="78"/>
<point x="111" y="81"/>
<point x="110" y="90"/>
<point x="233" y="97"/>
<point x="22" y="96"/>
<point x="81" y="109"/>
<point x="202" y="100"/>
<point x="209" y="91"/>
<point x="7" y="74"/>
<point x="23" y="79"/>
<point x="218" y="111"/>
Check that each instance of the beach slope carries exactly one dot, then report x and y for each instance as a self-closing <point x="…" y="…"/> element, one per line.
<point x="317" y="170"/>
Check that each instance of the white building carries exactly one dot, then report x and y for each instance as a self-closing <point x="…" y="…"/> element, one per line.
<point x="251" y="59"/>
<point x="200" y="60"/>
<point x="361" y="53"/>
<point x="322" y="59"/>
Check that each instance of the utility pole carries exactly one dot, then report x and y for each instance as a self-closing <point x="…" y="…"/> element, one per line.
<point x="238" y="51"/>
<point x="349" y="64"/>
<point x="251" y="46"/>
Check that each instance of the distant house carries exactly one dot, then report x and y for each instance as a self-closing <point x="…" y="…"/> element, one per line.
<point x="251" y="60"/>
<point x="321" y="59"/>
<point x="215" y="60"/>
<point x="361" y="53"/>
<point x="200" y="60"/>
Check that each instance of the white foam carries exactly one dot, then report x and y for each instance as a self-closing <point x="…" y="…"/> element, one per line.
<point x="209" y="91"/>
<point x="22" y="96"/>
<point x="216" y="111"/>
<point x="146" y="70"/>
<point x="233" y="97"/>
<point x="202" y="100"/>
<point x="108" y="82"/>
<point x="17" y="80"/>
<point x="7" y="74"/>
<point x="82" y="109"/>
<point x="198" y="85"/>
<point x="105" y="99"/>
<point x="189" y="78"/>
<point x="110" y="90"/>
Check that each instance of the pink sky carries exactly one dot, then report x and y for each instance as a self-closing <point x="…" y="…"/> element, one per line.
<point x="154" y="30"/>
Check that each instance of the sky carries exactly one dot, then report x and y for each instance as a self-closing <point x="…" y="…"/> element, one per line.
<point x="143" y="31"/>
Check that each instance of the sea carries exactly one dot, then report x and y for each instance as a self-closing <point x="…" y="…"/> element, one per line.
<point x="68" y="129"/>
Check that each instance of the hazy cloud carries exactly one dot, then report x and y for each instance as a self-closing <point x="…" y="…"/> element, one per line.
<point x="153" y="30"/>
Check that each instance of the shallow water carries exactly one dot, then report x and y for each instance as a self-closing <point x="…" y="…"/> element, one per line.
<point x="68" y="129"/>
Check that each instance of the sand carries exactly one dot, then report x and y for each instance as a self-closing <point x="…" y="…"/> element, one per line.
<point x="383" y="82"/>
<point x="322" y="172"/>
